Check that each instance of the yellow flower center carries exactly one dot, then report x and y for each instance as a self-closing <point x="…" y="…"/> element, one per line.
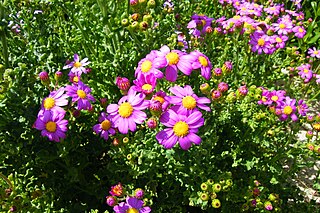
<point x="261" y="42"/>
<point x="81" y="93"/>
<point x="236" y="17"/>
<point x="287" y="110"/>
<point x="273" y="8"/>
<point x="180" y="44"/>
<point x="279" y="40"/>
<point x="282" y="26"/>
<point x="77" y="64"/>
<point x="181" y="129"/>
<point x="316" y="52"/>
<point x="75" y="79"/>
<point x="203" y="61"/>
<point x="51" y="126"/>
<point x="105" y="125"/>
<point x="264" y="98"/>
<point x="160" y="99"/>
<point x="243" y="8"/>
<point x="48" y="103"/>
<point x="173" y="58"/>
<point x="147" y="87"/>
<point x="146" y="66"/>
<point x="132" y="210"/>
<point x="316" y="126"/>
<point x="274" y="98"/>
<point x="300" y="30"/>
<point x="189" y="102"/>
<point x="125" y="110"/>
<point x="305" y="70"/>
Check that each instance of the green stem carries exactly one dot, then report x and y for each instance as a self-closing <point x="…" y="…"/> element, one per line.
<point x="4" y="38"/>
<point x="6" y="180"/>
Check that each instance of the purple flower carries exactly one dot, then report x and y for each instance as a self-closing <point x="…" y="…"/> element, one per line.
<point x="284" y="26"/>
<point x="147" y="66"/>
<point x="111" y="201"/>
<point x="314" y="52"/>
<point x="105" y="126"/>
<point x="299" y="31"/>
<point x="80" y="93"/>
<point x="145" y="84"/>
<point x="288" y="109"/>
<point x="181" y="128"/>
<point x="265" y="98"/>
<point x="302" y="108"/>
<point x="203" y="63"/>
<point x="260" y="42"/>
<point x="174" y="60"/>
<point x="132" y="205"/>
<point x="77" y="66"/>
<point x="277" y="96"/>
<point x="280" y="41"/>
<point x="274" y="10"/>
<point x="127" y="113"/>
<point x="51" y="125"/>
<point x="305" y="72"/>
<point x="44" y="76"/>
<point x="186" y="100"/>
<point x="55" y="101"/>
<point x="223" y="87"/>
<point x="318" y="79"/>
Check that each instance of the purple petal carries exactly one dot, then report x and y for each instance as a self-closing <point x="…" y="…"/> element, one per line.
<point x="185" y="143"/>
<point x="75" y="57"/>
<point x="139" y="117"/>
<point x="112" y="108"/>
<point x="193" y="118"/>
<point x="194" y="138"/>
<point x="123" y="125"/>
<point x="171" y="73"/>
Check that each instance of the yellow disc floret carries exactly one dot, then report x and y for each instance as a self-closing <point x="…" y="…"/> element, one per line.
<point x="160" y="99"/>
<point x="48" y="103"/>
<point x="147" y="87"/>
<point x="146" y="66"/>
<point x="282" y="26"/>
<point x="51" y="126"/>
<point x="279" y="40"/>
<point x="105" y="125"/>
<point x="125" y="110"/>
<point x="173" y="58"/>
<point x="77" y="64"/>
<point x="81" y="93"/>
<point x="203" y="61"/>
<point x="261" y="42"/>
<point x="287" y="110"/>
<point x="75" y="79"/>
<point x="189" y="102"/>
<point x="181" y="129"/>
<point x="316" y="126"/>
<point x="274" y="98"/>
<point x="132" y="210"/>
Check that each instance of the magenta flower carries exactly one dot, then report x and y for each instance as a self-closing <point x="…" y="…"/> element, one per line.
<point x="274" y="10"/>
<point x="314" y="52"/>
<point x="147" y="66"/>
<point x="265" y="98"/>
<point x="51" y="125"/>
<point x="80" y="93"/>
<point x="55" y="101"/>
<point x="284" y="26"/>
<point x="203" y="63"/>
<point x="127" y="113"/>
<point x="305" y="72"/>
<point x="299" y="31"/>
<point x="105" y="126"/>
<point x="302" y="108"/>
<point x="186" y="100"/>
<point x="73" y="78"/>
<point x="181" y="128"/>
<point x="277" y="96"/>
<point x="318" y="79"/>
<point x="77" y="66"/>
<point x="260" y="42"/>
<point x="280" y="41"/>
<point x="132" y="205"/>
<point x="174" y="60"/>
<point x="145" y="84"/>
<point x="288" y="109"/>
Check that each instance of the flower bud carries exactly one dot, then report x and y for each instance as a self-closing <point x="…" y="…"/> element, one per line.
<point x="135" y="16"/>
<point x="243" y="91"/>
<point x="216" y="203"/>
<point x="124" y="22"/>
<point x="147" y="18"/>
<point x="111" y="201"/>
<point x="215" y="94"/>
<point x="210" y="181"/>
<point x="205" y="88"/>
<point x="115" y="142"/>
<point x="227" y="66"/>
<point x="217" y="71"/>
<point x="125" y="140"/>
<point x="309" y="134"/>
<point x="316" y="126"/>
<point x="216" y="187"/>
<point x="310" y="146"/>
<point x="143" y="25"/>
<point x="268" y="206"/>
<point x="123" y="83"/>
<point x="58" y="75"/>
<point x="139" y="193"/>
<point x="152" y="123"/>
<point x="231" y="97"/>
<point x="155" y="107"/>
<point x="204" y="186"/>
<point x="272" y="197"/>
<point x="204" y="196"/>
<point x="133" y="3"/>
<point x="103" y="102"/>
<point x="213" y="195"/>
<point x="151" y="4"/>
<point x="223" y="87"/>
<point x="44" y="77"/>
<point x="317" y="149"/>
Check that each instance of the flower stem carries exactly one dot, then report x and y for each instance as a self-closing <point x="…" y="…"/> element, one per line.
<point x="6" y="180"/>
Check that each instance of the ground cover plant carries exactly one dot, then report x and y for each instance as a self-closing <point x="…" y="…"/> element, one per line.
<point x="159" y="106"/>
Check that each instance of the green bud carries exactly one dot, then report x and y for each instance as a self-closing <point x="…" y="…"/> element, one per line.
<point x="229" y="182"/>
<point x="213" y="195"/>
<point x="143" y="25"/>
<point x="210" y="181"/>
<point x="129" y="156"/>
<point x="216" y="187"/>
<point x="151" y="4"/>
<point x="204" y="196"/>
<point x="272" y="197"/>
<point x="134" y="25"/>
<point x="147" y="18"/>
<point x="258" y="91"/>
<point x="125" y="22"/>
<point x="252" y="88"/>
<point x="216" y="203"/>
<point x="204" y="186"/>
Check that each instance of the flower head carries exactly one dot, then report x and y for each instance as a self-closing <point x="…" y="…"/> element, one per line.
<point x="203" y="63"/>
<point x="105" y="126"/>
<point x="288" y="109"/>
<point x="145" y="84"/>
<point x="132" y="205"/>
<point x="77" y="66"/>
<point x="51" y="125"/>
<point x="116" y="190"/>
<point x="55" y="101"/>
<point x="181" y="128"/>
<point x="313" y="52"/>
<point x="127" y="113"/>
<point x="111" y="201"/>
<point x="146" y="66"/>
<point x="80" y="93"/>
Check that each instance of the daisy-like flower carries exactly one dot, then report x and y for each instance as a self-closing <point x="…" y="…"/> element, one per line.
<point x="80" y="93"/>
<point x="174" y="60"/>
<point x="105" y="126"/>
<point x="279" y="41"/>
<point x="132" y="205"/>
<point x="265" y="98"/>
<point x="127" y="113"/>
<point x="181" y="128"/>
<point x="51" y="125"/>
<point x="186" y="101"/>
<point x="274" y="10"/>
<point x="145" y="84"/>
<point x="305" y="72"/>
<point x="260" y="42"/>
<point x="147" y="66"/>
<point x="116" y="190"/>
<point x="284" y="26"/>
<point x="277" y="96"/>
<point x="73" y="78"/>
<point x="288" y="109"/>
<point x="77" y="66"/>
<point x="203" y="63"/>
<point x="302" y="108"/>
<point x="299" y="31"/>
<point x="313" y="52"/>
<point x="55" y="101"/>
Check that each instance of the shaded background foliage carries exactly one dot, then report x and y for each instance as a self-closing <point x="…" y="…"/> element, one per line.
<point x="75" y="175"/>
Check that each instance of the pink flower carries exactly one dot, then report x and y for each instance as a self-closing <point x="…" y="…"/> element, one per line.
<point x="147" y="66"/>
<point x="55" y="101"/>
<point x="203" y="63"/>
<point x="105" y="126"/>
<point x="80" y="93"/>
<point x="145" y="84"/>
<point x="313" y="52"/>
<point x="77" y="66"/>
